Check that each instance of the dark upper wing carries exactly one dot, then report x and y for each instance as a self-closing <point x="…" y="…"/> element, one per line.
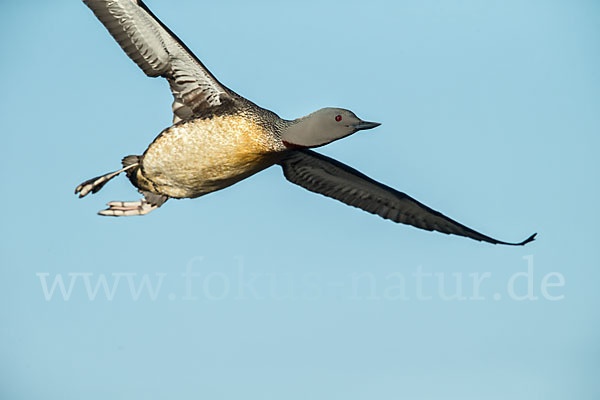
<point x="331" y="178"/>
<point x="158" y="52"/>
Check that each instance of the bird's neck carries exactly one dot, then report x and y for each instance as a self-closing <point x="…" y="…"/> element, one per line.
<point x="295" y="133"/>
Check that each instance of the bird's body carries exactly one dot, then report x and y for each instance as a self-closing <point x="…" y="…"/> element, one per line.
<point x="219" y="138"/>
<point x="199" y="156"/>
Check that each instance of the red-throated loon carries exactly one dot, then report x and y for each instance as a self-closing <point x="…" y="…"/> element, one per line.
<point x="219" y="138"/>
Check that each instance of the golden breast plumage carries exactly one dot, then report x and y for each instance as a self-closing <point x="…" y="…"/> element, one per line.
<point x="203" y="155"/>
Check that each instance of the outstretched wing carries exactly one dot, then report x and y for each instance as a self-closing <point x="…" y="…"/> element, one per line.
<point x="324" y="175"/>
<point x="158" y="52"/>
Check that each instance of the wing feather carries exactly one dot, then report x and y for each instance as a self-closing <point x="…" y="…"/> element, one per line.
<point x="158" y="52"/>
<point x="324" y="175"/>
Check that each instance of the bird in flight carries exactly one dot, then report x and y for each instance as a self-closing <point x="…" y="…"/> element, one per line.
<point x="219" y="138"/>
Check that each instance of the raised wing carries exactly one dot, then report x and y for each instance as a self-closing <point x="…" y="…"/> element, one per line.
<point x="324" y="175"/>
<point x="158" y="52"/>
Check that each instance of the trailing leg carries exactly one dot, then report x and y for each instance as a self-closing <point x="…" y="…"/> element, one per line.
<point x="95" y="184"/>
<point x="150" y="202"/>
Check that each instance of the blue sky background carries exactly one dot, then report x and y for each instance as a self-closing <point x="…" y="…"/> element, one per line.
<point x="490" y="114"/>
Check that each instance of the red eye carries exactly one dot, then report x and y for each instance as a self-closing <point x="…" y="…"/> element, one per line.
<point x="338" y="118"/>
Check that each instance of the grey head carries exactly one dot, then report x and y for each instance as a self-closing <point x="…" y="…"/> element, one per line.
<point x="322" y="127"/>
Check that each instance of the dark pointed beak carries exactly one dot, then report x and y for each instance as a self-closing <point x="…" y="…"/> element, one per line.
<point x="362" y="125"/>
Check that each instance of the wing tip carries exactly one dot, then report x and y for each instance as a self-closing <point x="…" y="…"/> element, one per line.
<point x="524" y="242"/>
<point x="529" y="239"/>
